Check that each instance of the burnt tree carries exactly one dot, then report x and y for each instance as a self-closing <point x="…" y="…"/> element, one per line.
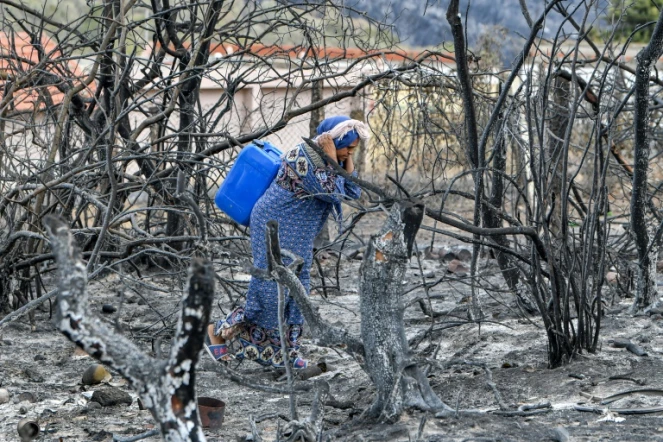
<point x="646" y="294"/>
<point x="167" y="388"/>
<point x="383" y="349"/>
<point x="400" y="383"/>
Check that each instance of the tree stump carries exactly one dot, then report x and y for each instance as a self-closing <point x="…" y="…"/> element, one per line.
<point x="400" y="383"/>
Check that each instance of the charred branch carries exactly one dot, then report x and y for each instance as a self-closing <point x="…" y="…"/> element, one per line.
<point x="167" y="388"/>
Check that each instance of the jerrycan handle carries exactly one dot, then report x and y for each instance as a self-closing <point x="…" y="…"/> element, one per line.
<point x="268" y="147"/>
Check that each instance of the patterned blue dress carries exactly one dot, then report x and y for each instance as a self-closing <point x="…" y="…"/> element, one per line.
<point x="304" y="193"/>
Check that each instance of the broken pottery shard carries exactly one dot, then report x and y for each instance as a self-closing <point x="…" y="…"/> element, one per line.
<point x="464" y="255"/>
<point x="636" y="350"/>
<point x="431" y="253"/>
<point x="27" y="429"/>
<point x="449" y="256"/>
<point x="620" y="342"/>
<point x="95" y="374"/>
<point x="457" y="267"/>
<point x="79" y="353"/>
<point x="109" y="397"/>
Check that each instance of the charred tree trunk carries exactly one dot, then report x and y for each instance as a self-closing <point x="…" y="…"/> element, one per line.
<point x="559" y="120"/>
<point x="193" y="62"/>
<point x="398" y="380"/>
<point x="476" y="155"/>
<point x="474" y="152"/>
<point x="492" y="220"/>
<point x="646" y="295"/>
<point x="317" y="115"/>
<point x="383" y="350"/>
<point x="167" y="388"/>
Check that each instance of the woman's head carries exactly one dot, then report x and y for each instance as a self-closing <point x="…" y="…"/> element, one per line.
<point x="345" y="131"/>
<point x="343" y="153"/>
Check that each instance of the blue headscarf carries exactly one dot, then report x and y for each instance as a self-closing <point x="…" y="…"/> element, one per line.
<point x="329" y="123"/>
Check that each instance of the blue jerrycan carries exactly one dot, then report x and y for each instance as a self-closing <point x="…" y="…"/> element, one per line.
<point x="248" y="179"/>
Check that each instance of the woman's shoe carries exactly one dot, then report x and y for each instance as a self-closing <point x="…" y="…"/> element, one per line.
<point x="218" y="352"/>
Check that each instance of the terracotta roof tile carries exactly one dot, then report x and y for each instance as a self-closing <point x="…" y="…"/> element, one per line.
<point x="19" y="57"/>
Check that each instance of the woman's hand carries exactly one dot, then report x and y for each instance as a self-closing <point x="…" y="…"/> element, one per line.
<point x="326" y="142"/>
<point x="349" y="164"/>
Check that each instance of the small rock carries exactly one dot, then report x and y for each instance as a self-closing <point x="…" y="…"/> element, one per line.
<point x="659" y="266"/>
<point x="457" y="267"/>
<point x="109" y="397"/>
<point x="560" y="434"/>
<point x="655" y="311"/>
<point x="431" y="253"/>
<point x="430" y="275"/>
<point x="449" y="256"/>
<point x="33" y="375"/>
<point x="92" y="405"/>
<point x="612" y="277"/>
<point x="95" y="374"/>
<point x="4" y="396"/>
<point x="464" y="255"/>
<point x="28" y="397"/>
<point x="108" y="308"/>
<point x="40" y="358"/>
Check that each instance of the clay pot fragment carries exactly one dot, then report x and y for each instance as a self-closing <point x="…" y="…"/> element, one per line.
<point x="431" y="253"/>
<point x="464" y="254"/>
<point x="456" y="267"/>
<point x="448" y="256"/>
<point x="211" y="412"/>
<point x="28" y="429"/>
<point x="95" y="374"/>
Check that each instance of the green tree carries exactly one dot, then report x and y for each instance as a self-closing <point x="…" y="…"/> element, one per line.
<point x="634" y="13"/>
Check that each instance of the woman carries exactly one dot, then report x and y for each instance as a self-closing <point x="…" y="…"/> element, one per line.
<point x="305" y="191"/>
